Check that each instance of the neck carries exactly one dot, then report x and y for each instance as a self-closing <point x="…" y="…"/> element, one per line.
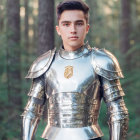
<point x="80" y="51"/>
<point x="70" y="48"/>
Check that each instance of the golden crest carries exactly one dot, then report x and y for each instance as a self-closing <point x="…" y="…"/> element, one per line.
<point x="68" y="72"/>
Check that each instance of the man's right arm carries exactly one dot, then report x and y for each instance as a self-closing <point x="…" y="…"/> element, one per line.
<point x="34" y="108"/>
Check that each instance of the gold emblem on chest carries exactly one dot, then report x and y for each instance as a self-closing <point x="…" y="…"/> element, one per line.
<point x="68" y="73"/>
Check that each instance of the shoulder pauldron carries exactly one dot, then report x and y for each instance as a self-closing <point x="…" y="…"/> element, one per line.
<point x="105" y="64"/>
<point x="41" y="64"/>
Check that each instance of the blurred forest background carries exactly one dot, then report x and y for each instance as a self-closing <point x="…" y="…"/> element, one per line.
<point x="27" y="29"/>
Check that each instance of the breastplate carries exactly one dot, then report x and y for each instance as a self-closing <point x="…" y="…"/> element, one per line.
<point x="73" y="95"/>
<point x="70" y="75"/>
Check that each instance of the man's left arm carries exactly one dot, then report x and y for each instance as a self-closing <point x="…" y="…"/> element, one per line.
<point x="117" y="111"/>
<point x="107" y="67"/>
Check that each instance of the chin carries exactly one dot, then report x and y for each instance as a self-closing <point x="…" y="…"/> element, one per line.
<point x="75" y="45"/>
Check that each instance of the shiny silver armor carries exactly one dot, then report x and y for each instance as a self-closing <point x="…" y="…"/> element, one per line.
<point x="74" y="83"/>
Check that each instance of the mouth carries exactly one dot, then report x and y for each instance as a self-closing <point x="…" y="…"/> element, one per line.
<point x="73" y="37"/>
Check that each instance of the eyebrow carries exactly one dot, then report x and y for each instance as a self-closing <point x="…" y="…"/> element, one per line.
<point x="70" y="21"/>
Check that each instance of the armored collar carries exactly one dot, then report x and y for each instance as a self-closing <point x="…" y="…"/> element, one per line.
<point x="74" y="54"/>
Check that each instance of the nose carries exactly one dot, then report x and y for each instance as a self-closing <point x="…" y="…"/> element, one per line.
<point x="73" y="29"/>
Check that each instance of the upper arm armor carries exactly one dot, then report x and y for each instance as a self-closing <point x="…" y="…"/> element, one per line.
<point x="107" y="67"/>
<point x="41" y="64"/>
<point x="35" y="105"/>
<point x="105" y="64"/>
<point x="37" y="99"/>
<point x="37" y="89"/>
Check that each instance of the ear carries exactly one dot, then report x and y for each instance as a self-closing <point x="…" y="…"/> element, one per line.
<point x="87" y="28"/>
<point x="57" y="29"/>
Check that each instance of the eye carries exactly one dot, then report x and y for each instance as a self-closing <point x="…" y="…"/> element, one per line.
<point x="66" y="24"/>
<point x="80" y="23"/>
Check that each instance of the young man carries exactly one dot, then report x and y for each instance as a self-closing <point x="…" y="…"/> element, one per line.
<point x="73" y="81"/>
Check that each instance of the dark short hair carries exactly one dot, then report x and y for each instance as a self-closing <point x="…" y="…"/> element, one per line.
<point x="72" y="5"/>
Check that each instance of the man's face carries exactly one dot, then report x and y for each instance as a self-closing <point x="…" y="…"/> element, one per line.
<point x="73" y="29"/>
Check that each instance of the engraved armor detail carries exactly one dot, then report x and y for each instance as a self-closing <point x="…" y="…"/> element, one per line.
<point x="41" y="64"/>
<point x="68" y="72"/>
<point x="73" y="110"/>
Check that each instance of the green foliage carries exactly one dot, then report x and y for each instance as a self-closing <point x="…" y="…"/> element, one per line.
<point x="132" y="86"/>
<point x="41" y="128"/>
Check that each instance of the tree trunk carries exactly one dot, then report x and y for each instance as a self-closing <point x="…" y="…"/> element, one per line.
<point x="35" y="35"/>
<point x="46" y="26"/>
<point x="93" y="12"/>
<point x="46" y="29"/>
<point x="1" y="17"/>
<point x="137" y="6"/>
<point x="26" y="35"/>
<point x="13" y="54"/>
<point x="125" y="29"/>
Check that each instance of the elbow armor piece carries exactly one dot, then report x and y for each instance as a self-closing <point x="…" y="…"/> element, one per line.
<point x="33" y="109"/>
<point x="117" y="111"/>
